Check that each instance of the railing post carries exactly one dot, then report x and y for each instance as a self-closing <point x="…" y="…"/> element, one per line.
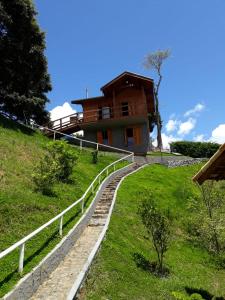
<point x="97" y="147"/>
<point x="133" y="158"/>
<point x="99" y="179"/>
<point x="54" y="136"/>
<point x="61" y="226"/>
<point x="80" y="145"/>
<point x="92" y="189"/>
<point x="21" y="258"/>
<point x="114" y="168"/>
<point x="107" y="172"/>
<point x="82" y="206"/>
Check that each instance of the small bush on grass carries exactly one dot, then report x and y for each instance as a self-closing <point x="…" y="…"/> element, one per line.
<point x="56" y="165"/>
<point x="95" y="157"/>
<point x="65" y="158"/>
<point x="44" y="176"/>
<point x="158" y="227"/>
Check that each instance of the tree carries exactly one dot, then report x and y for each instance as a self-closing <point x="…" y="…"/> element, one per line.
<point x="158" y="227"/>
<point x="24" y="80"/>
<point x="154" y="61"/>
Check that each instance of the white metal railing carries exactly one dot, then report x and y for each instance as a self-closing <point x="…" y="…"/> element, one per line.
<point x="59" y="217"/>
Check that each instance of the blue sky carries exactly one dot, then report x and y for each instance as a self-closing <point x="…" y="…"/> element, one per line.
<point x="90" y="42"/>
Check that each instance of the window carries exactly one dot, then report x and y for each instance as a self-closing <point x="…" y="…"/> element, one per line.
<point x="125" y="109"/>
<point x="129" y="137"/>
<point x="104" y="112"/>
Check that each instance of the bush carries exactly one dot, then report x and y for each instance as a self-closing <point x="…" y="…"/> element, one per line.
<point x="157" y="225"/>
<point x="194" y="149"/>
<point x="95" y="157"/>
<point x="45" y="175"/>
<point x="56" y="165"/>
<point x="64" y="157"/>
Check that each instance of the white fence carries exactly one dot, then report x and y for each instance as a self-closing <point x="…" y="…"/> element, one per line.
<point x="98" y="180"/>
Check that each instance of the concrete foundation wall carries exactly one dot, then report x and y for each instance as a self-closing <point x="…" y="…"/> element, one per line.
<point x="118" y="139"/>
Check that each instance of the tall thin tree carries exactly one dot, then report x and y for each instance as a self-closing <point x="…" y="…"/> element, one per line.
<point x="154" y="61"/>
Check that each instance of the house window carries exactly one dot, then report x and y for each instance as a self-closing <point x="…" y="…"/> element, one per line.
<point x="129" y="137"/>
<point x="104" y="112"/>
<point x="125" y="109"/>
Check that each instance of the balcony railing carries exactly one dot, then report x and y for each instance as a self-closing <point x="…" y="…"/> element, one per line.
<point x="103" y="113"/>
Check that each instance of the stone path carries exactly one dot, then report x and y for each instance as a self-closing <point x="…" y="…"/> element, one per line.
<point x="61" y="280"/>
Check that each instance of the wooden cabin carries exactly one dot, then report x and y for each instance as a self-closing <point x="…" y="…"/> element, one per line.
<point x="214" y="169"/>
<point x="123" y="116"/>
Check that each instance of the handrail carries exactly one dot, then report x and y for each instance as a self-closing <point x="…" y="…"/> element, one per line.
<point x="21" y="243"/>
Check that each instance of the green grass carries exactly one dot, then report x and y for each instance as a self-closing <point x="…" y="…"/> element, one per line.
<point x="22" y="210"/>
<point x="115" y="274"/>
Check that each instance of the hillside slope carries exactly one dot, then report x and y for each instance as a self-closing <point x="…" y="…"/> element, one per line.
<point x="22" y="209"/>
<point x="121" y="267"/>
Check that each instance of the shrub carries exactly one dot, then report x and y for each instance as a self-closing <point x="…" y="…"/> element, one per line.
<point x="64" y="157"/>
<point x="95" y="157"/>
<point x="206" y="218"/>
<point x="157" y="225"/>
<point x="45" y="175"/>
<point x="194" y="149"/>
<point x="56" y="165"/>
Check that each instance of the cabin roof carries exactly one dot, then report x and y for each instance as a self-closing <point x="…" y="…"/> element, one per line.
<point x="127" y="75"/>
<point x="117" y="80"/>
<point x="214" y="169"/>
<point x="80" y="101"/>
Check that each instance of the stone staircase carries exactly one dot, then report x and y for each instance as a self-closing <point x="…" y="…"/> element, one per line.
<point x="58" y="285"/>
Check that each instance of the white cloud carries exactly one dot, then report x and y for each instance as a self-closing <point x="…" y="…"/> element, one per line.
<point x="199" y="138"/>
<point x="171" y="125"/>
<point x="186" y="127"/>
<point x="198" y="108"/>
<point x="61" y="111"/>
<point x="218" y="134"/>
<point x="166" y="139"/>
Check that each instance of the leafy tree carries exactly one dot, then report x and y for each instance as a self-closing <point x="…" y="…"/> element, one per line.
<point x="155" y="61"/>
<point x="24" y="80"/>
<point x="158" y="227"/>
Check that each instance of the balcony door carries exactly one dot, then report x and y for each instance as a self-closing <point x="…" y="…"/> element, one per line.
<point x="104" y="137"/>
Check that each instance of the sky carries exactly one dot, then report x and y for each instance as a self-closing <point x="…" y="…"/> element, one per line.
<point x="89" y="42"/>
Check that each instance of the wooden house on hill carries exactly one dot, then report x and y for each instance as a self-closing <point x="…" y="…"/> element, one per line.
<point x="123" y="115"/>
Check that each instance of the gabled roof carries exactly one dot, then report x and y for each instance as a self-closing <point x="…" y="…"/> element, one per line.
<point x="126" y="75"/>
<point x="214" y="169"/>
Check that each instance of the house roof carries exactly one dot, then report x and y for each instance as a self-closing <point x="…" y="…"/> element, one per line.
<point x="126" y="74"/>
<point x="116" y="80"/>
<point x="80" y="101"/>
<point x="214" y="169"/>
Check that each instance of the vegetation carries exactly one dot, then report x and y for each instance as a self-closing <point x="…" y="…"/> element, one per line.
<point x="122" y="269"/>
<point x="155" y="61"/>
<point x="208" y="225"/>
<point x="95" y="156"/>
<point x="194" y="149"/>
<point x="158" y="227"/>
<point x="24" y="80"/>
<point x="22" y="210"/>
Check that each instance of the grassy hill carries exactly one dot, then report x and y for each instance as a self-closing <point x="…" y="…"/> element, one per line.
<point x="22" y="209"/>
<point x="118" y="274"/>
